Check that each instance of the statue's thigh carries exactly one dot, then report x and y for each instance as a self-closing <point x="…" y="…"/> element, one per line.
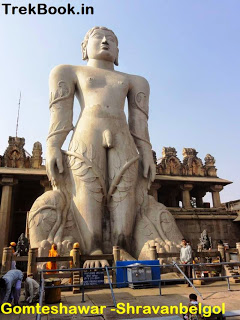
<point x="123" y="151"/>
<point x="87" y="166"/>
<point x="123" y="172"/>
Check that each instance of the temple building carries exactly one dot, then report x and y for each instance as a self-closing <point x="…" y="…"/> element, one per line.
<point x="179" y="185"/>
<point x="182" y="185"/>
<point x="22" y="179"/>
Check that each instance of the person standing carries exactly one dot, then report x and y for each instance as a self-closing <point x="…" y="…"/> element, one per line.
<point x="10" y="285"/>
<point x="13" y="246"/>
<point x="186" y="258"/>
<point x="52" y="253"/>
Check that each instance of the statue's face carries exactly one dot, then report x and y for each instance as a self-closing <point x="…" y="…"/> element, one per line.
<point x="102" y="45"/>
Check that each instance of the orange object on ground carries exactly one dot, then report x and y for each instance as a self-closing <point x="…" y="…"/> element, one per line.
<point x="52" y="253"/>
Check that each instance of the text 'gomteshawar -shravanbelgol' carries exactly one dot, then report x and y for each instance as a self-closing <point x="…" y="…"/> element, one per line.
<point x="43" y="9"/>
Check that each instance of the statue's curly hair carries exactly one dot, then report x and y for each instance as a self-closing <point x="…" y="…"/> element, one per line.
<point x="85" y="42"/>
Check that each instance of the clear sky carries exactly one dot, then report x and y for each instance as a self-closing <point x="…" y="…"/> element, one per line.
<point x="189" y="50"/>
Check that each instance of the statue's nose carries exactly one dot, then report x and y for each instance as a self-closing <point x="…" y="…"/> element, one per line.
<point x="104" y="40"/>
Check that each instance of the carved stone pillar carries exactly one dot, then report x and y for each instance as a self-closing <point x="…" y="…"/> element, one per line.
<point x="153" y="253"/>
<point x="186" y="188"/>
<point x="173" y="198"/>
<point x="154" y="190"/>
<point x="76" y="274"/>
<point x="32" y="263"/>
<point x="5" y="210"/>
<point x="46" y="184"/>
<point x="199" y="198"/>
<point x="238" y="247"/>
<point x="215" y="195"/>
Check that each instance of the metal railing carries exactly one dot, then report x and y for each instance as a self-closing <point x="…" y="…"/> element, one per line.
<point x="126" y="282"/>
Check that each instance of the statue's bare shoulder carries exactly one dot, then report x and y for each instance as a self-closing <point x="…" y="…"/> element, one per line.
<point x="63" y="72"/>
<point x="138" y="83"/>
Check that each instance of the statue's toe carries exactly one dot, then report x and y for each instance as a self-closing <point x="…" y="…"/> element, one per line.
<point x="95" y="264"/>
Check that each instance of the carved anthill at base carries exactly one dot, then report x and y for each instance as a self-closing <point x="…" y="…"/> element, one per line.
<point x="100" y="183"/>
<point x="51" y="219"/>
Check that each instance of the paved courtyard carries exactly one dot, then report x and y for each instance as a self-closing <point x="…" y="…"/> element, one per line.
<point x="213" y="294"/>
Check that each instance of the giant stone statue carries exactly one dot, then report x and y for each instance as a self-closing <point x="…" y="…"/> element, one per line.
<point x="100" y="184"/>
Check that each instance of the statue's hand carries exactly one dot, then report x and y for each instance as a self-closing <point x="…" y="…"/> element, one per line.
<point x="54" y="158"/>
<point x="149" y="167"/>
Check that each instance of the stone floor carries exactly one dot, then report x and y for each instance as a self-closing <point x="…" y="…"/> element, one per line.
<point x="213" y="294"/>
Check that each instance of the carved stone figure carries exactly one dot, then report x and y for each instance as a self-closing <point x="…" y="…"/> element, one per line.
<point x="22" y="249"/>
<point x="210" y="166"/>
<point x="100" y="183"/>
<point x="36" y="159"/>
<point x="169" y="163"/>
<point x="15" y="155"/>
<point x="22" y="245"/>
<point x="192" y="165"/>
<point x="205" y="240"/>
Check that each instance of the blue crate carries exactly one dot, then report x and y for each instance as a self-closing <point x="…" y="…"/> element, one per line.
<point x="121" y="273"/>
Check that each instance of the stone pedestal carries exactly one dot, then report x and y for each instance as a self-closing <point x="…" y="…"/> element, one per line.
<point x="5" y="211"/>
<point x="216" y="196"/>
<point x="186" y="188"/>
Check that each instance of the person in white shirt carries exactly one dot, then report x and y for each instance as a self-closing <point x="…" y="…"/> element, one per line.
<point x="186" y="258"/>
<point x="31" y="289"/>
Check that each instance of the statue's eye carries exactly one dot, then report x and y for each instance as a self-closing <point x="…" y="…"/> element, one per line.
<point x="97" y="36"/>
<point x="110" y="39"/>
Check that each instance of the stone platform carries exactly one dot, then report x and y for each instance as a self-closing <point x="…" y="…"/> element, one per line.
<point x="213" y="294"/>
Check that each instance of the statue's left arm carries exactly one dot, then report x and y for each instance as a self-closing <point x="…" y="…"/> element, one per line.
<point x="138" y="108"/>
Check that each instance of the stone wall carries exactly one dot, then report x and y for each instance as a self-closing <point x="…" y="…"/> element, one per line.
<point x="218" y="229"/>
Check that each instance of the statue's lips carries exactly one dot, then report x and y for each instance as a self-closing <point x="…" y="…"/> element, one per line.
<point x="105" y="47"/>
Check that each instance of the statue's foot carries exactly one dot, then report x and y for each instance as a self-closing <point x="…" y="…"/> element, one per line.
<point x="95" y="263"/>
<point x="164" y="245"/>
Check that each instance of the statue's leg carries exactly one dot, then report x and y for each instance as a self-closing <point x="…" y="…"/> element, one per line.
<point x="123" y="172"/>
<point x="87" y="164"/>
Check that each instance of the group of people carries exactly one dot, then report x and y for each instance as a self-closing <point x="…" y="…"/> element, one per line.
<point x="11" y="282"/>
<point x="10" y="287"/>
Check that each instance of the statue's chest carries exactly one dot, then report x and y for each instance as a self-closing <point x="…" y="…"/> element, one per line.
<point x="93" y="82"/>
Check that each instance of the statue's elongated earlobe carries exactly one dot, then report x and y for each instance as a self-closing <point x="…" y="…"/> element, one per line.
<point x="84" y="52"/>
<point x="116" y="60"/>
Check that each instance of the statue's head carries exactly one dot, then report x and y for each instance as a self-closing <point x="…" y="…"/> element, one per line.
<point x="100" y="43"/>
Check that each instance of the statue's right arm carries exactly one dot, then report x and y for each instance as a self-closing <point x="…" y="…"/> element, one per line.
<point x="62" y="82"/>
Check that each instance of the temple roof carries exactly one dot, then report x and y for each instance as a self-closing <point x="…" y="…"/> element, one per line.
<point x="215" y="180"/>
